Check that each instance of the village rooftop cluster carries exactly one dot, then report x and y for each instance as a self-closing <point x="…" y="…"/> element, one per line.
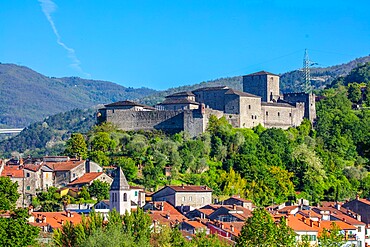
<point x="192" y="208"/>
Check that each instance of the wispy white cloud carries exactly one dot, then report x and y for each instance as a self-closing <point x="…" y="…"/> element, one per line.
<point x="48" y="7"/>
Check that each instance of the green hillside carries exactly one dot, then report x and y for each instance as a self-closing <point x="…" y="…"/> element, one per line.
<point x="27" y="96"/>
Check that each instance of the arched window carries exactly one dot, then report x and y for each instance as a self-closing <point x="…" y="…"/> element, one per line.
<point x="125" y="197"/>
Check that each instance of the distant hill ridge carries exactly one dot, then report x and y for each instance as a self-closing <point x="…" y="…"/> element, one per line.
<point x="27" y="96"/>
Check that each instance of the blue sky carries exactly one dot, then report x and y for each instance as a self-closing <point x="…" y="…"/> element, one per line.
<point x="162" y="44"/>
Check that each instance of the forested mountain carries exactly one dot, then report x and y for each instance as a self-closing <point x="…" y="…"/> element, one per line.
<point x="48" y="137"/>
<point x="27" y="96"/>
<point x="289" y="82"/>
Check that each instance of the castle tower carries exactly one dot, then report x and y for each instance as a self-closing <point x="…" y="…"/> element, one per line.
<point x="263" y="84"/>
<point x="119" y="193"/>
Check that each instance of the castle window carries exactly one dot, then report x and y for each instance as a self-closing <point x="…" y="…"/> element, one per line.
<point x="190" y="198"/>
<point x="183" y="198"/>
<point x="249" y="107"/>
<point x="28" y="174"/>
<point x="290" y="114"/>
<point x="252" y="116"/>
<point x="28" y="187"/>
<point x="278" y="114"/>
<point x="255" y="117"/>
<point x="202" y="200"/>
<point x="125" y="197"/>
<point x="267" y="113"/>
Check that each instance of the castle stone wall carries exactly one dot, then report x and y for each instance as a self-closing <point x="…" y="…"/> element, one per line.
<point x="214" y="99"/>
<point x="171" y="121"/>
<point x="265" y="86"/>
<point x="282" y="116"/>
<point x="250" y="112"/>
<point x="308" y="99"/>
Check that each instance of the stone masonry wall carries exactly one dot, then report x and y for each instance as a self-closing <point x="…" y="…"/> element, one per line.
<point x="171" y="121"/>
<point x="308" y="99"/>
<point x="250" y="112"/>
<point x="282" y="117"/>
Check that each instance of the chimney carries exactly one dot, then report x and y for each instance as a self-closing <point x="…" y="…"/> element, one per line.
<point x="43" y="219"/>
<point x="319" y="223"/>
<point x="234" y="206"/>
<point x="337" y="206"/>
<point x="311" y="223"/>
<point x="344" y="219"/>
<point x="182" y="185"/>
<point x="358" y="217"/>
<point x="222" y="226"/>
<point x="62" y="221"/>
<point x="168" y="216"/>
<point x="232" y="228"/>
<point x="357" y="197"/>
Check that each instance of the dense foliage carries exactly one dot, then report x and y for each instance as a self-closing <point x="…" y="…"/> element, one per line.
<point x="14" y="230"/>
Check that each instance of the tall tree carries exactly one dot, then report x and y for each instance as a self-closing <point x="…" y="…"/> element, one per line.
<point x="260" y="230"/>
<point x="76" y="146"/>
<point x="8" y="193"/>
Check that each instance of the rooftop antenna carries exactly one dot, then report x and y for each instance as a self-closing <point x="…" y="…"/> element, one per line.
<point x="307" y="64"/>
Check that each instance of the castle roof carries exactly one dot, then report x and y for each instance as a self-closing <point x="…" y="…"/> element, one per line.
<point x="186" y="93"/>
<point x="277" y="104"/>
<point x="128" y="103"/>
<point x="119" y="181"/>
<point x="170" y="101"/>
<point x="211" y="88"/>
<point x="262" y="72"/>
<point x="240" y="93"/>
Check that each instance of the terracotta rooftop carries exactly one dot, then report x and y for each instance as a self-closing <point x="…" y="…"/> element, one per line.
<point x="167" y="216"/>
<point x="262" y="72"/>
<point x="55" y="219"/>
<point x="129" y="103"/>
<point x="12" y="171"/>
<point x="64" y="166"/>
<point x="190" y="188"/>
<point x="196" y="224"/>
<point x="341" y="214"/>
<point x="33" y="167"/>
<point x="86" y="178"/>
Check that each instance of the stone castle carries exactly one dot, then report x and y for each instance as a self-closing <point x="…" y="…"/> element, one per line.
<point x="259" y="103"/>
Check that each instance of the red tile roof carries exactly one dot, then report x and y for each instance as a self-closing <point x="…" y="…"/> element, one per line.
<point x="168" y="216"/>
<point x="32" y="167"/>
<point x="86" y="178"/>
<point x="54" y="219"/>
<point x="196" y="224"/>
<point x="12" y="172"/>
<point x="64" y="166"/>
